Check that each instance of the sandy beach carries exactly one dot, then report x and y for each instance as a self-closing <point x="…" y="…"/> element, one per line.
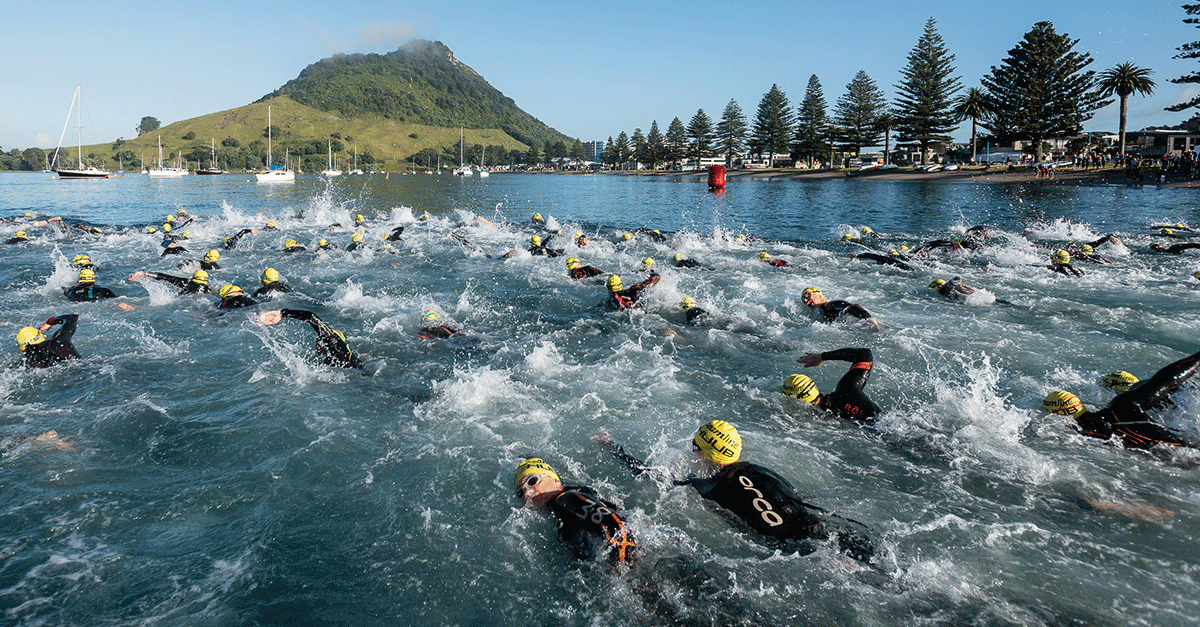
<point x="1001" y="174"/>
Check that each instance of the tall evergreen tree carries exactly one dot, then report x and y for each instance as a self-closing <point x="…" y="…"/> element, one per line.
<point x="857" y="112"/>
<point x="700" y="136"/>
<point x="624" y="150"/>
<point x="974" y="105"/>
<point x="637" y="147"/>
<point x="773" y="125"/>
<point x="534" y="156"/>
<point x="731" y="131"/>
<point x="1188" y="51"/>
<point x="1124" y="80"/>
<point x="656" y="146"/>
<point x="610" y="156"/>
<point x="924" y="105"/>
<point x="812" y="124"/>
<point x="1041" y="89"/>
<point x="676" y="142"/>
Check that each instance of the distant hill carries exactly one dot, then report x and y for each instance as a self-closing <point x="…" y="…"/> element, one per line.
<point x="420" y="83"/>
<point x="392" y="108"/>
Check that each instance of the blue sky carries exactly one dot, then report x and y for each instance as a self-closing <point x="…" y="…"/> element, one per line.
<point x="590" y="70"/>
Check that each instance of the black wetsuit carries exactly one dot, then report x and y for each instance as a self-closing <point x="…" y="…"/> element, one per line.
<point x="590" y="526"/>
<point x="848" y="400"/>
<point x="1093" y="257"/>
<point x="187" y="286"/>
<point x="57" y="348"/>
<point x="236" y="302"/>
<point x="1126" y="415"/>
<point x="1176" y="249"/>
<point x="778" y="263"/>
<point x="628" y="297"/>
<point x="269" y="288"/>
<point x="767" y="503"/>
<point x="172" y="250"/>
<point x="654" y="235"/>
<point x="883" y="260"/>
<point x="1065" y="269"/>
<point x="687" y="263"/>
<point x="295" y="249"/>
<point x="231" y="242"/>
<point x="204" y="265"/>
<point x="83" y="293"/>
<point x="834" y="310"/>
<point x="583" y="272"/>
<point x="696" y="316"/>
<point x="437" y="331"/>
<point x="353" y="246"/>
<point x="18" y="240"/>
<point x="395" y="234"/>
<point x="544" y="249"/>
<point x="331" y="344"/>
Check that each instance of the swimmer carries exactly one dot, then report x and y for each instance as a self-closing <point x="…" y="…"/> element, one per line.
<point x="683" y="262"/>
<point x="171" y="247"/>
<point x="89" y="229"/>
<point x="465" y="242"/>
<point x="84" y="262"/>
<point x="356" y="242"/>
<point x="331" y="343"/>
<point x="1119" y="380"/>
<point x="581" y="240"/>
<point x="778" y="263"/>
<point x="1088" y="253"/>
<point x="394" y="236"/>
<point x="40" y="352"/>
<point x="271" y="283"/>
<point x="1176" y="249"/>
<point x="882" y="260"/>
<point x="210" y="260"/>
<point x="764" y="500"/>
<point x="232" y="297"/>
<point x="647" y="264"/>
<point x="537" y="220"/>
<point x="270" y="226"/>
<point x="231" y="242"/>
<point x="290" y="246"/>
<point x="323" y="244"/>
<point x="433" y="328"/>
<point x="654" y="234"/>
<point x="1127" y="415"/>
<point x="86" y="290"/>
<point x="847" y="400"/>
<point x="539" y="248"/>
<point x="198" y="282"/>
<point x="359" y="220"/>
<point x="1061" y="263"/>
<point x="587" y="524"/>
<point x="577" y="270"/>
<point x="693" y="313"/>
<point x="838" y="310"/>
<point x="620" y="297"/>
<point x="20" y="237"/>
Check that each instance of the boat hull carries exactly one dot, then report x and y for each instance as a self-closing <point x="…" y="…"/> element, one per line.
<point x="83" y="174"/>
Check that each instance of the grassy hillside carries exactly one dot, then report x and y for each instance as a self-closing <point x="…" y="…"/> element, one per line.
<point x="390" y="142"/>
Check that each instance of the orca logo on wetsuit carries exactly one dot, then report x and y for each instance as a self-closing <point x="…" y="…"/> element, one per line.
<point x="770" y="516"/>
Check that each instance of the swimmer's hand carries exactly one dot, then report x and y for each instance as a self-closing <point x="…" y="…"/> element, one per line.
<point x="125" y="307"/>
<point x="602" y="438"/>
<point x="137" y="275"/>
<point x="810" y="359"/>
<point x="267" y="318"/>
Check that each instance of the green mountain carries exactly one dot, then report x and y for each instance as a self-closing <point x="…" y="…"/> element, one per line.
<point x="420" y="83"/>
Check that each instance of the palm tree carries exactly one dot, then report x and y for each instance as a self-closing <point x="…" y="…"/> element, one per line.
<point x="1123" y="80"/>
<point x="973" y="104"/>
<point x="886" y="122"/>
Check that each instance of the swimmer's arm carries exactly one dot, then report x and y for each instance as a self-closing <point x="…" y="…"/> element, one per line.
<point x="636" y="465"/>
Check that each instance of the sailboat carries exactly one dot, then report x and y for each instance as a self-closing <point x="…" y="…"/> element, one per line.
<point x="212" y="165"/>
<point x="461" y="170"/>
<point x="82" y="172"/>
<point x="274" y="174"/>
<point x="329" y="169"/>
<point x="482" y="172"/>
<point x="165" y="171"/>
<point x="356" y="170"/>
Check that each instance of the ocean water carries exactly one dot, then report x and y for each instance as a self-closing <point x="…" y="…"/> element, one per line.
<point x="209" y="471"/>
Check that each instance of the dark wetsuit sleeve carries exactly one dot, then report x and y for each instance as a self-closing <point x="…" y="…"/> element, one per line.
<point x="173" y="280"/>
<point x="1132" y="406"/>
<point x="337" y="350"/>
<point x="587" y="522"/>
<point x="233" y="241"/>
<point x="636" y="465"/>
<point x="1179" y="248"/>
<point x="838" y="308"/>
<point x="1102" y="240"/>
<point x="635" y="292"/>
<point x="848" y="399"/>
<point x="60" y="344"/>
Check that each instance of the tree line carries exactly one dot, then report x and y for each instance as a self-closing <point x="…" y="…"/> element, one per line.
<point x="1043" y="89"/>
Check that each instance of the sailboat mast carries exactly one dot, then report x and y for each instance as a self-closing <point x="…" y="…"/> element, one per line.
<point x="79" y="123"/>
<point x="268" y="138"/>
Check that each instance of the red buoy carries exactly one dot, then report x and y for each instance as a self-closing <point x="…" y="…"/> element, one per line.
<point x="716" y="177"/>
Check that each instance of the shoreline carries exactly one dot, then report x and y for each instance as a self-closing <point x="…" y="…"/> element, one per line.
<point x="1062" y="176"/>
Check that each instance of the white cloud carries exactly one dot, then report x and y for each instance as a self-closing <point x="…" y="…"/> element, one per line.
<point x="385" y="35"/>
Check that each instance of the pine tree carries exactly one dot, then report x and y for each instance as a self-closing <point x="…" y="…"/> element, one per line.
<point x="773" y="124"/>
<point x="857" y="112"/>
<point x="637" y="147"/>
<point x="676" y="142"/>
<point x="924" y="107"/>
<point x="623" y="150"/>
<point x="610" y="153"/>
<point x="656" y="146"/>
<point x="812" y="124"/>
<point x="1188" y="51"/>
<point x="731" y="131"/>
<point x="1041" y="89"/>
<point x="700" y="136"/>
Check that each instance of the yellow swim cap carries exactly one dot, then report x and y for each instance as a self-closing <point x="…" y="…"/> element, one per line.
<point x="678" y="257"/>
<point x="764" y="256"/>
<point x="937" y="284"/>
<point x="86" y="276"/>
<point x="802" y="387"/>
<point x="170" y="218"/>
<point x="532" y="466"/>
<point x="271" y="225"/>
<point x="229" y="290"/>
<point x="1063" y="403"/>
<point x="614" y="283"/>
<point x="200" y="277"/>
<point x="270" y="275"/>
<point x="572" y="263"/>
<point x="289" y="243"/>
<point x="357" y="237"/>
<point x="847" y="237"/>
<point x="79" y="260"/>
<point x="29" y="336"/>
<point x="166" y="227"/>
<point x="181" y="212"/>
<point x="151" y="230"/>
<point x="429" y="316"/>
<point x="212" y="256"/>
<point x="1120" y="381"/>
<point x="687" y="303"/>
<point x="627" y="236"/>
<point x="22" y="233"/>
<point x="893" y="251"/>
<point x="323" y="243"/>
<point x="1196" y="274"/>
<point x="535" y="241"/>
<point x="1062" y="257"/>
<point x="647" y="263"/>
<point x="1086" y="249"/>
<point x="867" y="230"/>
<point x="718" y="441"/>
<point x="537" y="216"/>
<point x="1167" y="231"/>
<point x="183" y="235"/>
<point x="358" y="218"/>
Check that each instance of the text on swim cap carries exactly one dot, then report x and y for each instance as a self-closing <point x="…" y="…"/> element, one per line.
<point x="711" y="437"/>
<point x="761" y="505"/>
